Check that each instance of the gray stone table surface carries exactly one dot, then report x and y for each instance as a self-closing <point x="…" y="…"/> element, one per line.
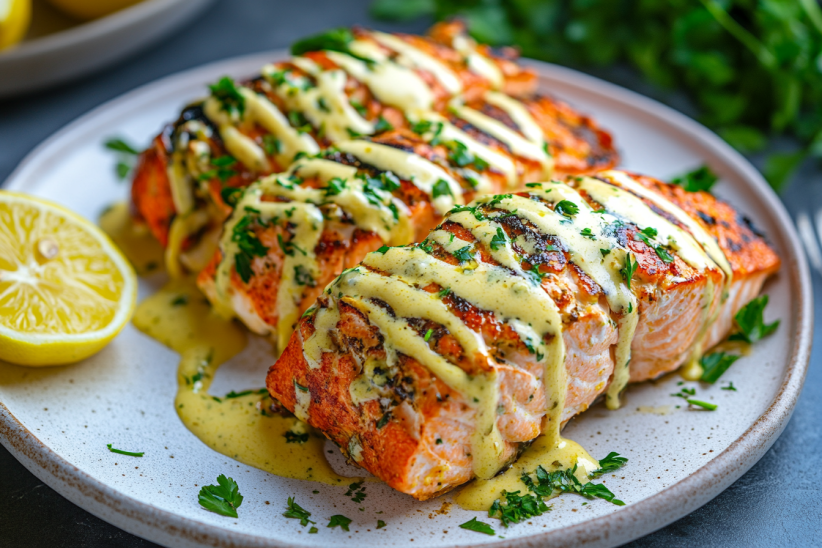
<point x="777" y="503"/>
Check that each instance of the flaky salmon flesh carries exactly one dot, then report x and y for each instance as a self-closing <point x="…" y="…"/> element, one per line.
<point x="390" y="361"/>
<point x="256" y="127"/>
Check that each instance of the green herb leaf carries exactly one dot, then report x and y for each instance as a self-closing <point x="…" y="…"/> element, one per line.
<point x="380" y="524"/>
<point x="121" y="452"/>
<point x="610" y="463"/>
<point x="122" y="169"/>
<point x="499" y="240"/>
<point x="338" y="520"/>
<point x="588" y="233"/>
<point x="714" y="365"/>
<point x="628" y="270"/>
<point x="223" y="498"/>
<point x="478" y="526"/>
<point x="382" y="125"/>
<point x="464" y="254"/>
<point x="441" y="188"/>
<point x="295" y="511"/>
<point x="294" y="437"/>
<point x="702" y="404"/>
<point x="566" y="208"/>
<point x="229" y="96"/>
<point x="120" y="145"/>
<point x="751" y="323"/>
<point x="700" y="179"/>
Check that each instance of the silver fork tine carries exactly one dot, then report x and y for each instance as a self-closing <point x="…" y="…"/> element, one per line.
<point x="805" y="228"/>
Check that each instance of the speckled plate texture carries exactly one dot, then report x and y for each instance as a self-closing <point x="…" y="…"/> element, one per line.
<point x="57" y="421"/>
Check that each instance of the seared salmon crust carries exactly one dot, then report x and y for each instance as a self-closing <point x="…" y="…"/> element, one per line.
<point x="386" y="364"/>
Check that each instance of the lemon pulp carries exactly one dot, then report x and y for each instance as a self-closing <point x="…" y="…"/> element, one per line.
<point x="65" y="289"/>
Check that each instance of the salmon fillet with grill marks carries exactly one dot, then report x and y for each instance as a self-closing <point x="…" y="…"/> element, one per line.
<point x="263" y="123"/>
<point x="432" y="364"/>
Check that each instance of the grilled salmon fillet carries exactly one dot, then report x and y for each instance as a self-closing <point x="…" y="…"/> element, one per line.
<point x="341" y="85"/>
<point x="434" y="363"/>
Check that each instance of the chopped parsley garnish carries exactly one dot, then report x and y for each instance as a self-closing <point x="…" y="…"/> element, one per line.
<point x="464" y="254"/>
<point x="441" y="188"/>
<point x="425" y="126"/>
<point x="357" y="490"/>
<point x="514" y="508"/>
<point x="294" y="437"/>
<point x="443" y="292"/>
<point x="223" y="499"/>
<point x="499" y="239"/>
<point x="303" y="277"/>
<point x="730" y="387"/>
<point x="428" y="335"/>
<point x="180" y="300"/>
<point x="231" y="195"/>
<point x="249" y="247"/>
<point x="685" y="393"/>
<point x="332" y="40"/>
<point x="288" y="247"/>
<point x="702" y="404"/>
<point x="272" y="145"/>
<point x="610" y="463"/>
<point x="221" y="169"/>
<point x="750" y="322"/>
<point x="384" y="420"/>
<point x="533" y="185"/>
<point x="663" y="254"/>
<point x="462" y="157"/>
<point x="295" y="511"/>
<point x="119" y="145"/>
<point x="566" y="208"/>
<point x="478" y="526"/>
<point x="338" y="520"/>
<point x="380" y="524"/>
<point x="714" y="365"/>
<point x="300" y="122"/>
<point x="588" y="233"/>
<point x="300" y="387"/>
<point x="361" y="110"/>
<point x="604" y="251"/>
<point x="700" y="179"/>
<point x="230" y="98"/>
<point x="628" y="270"/>
<point x="565" y="481"/>
<point x="121" y="452"/>
<point x="383" y="249"/>
<point x="382" y="125"/>
<point x="126" y="156"/>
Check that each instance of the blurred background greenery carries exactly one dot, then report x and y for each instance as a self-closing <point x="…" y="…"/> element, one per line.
<point x="752" y="68"/>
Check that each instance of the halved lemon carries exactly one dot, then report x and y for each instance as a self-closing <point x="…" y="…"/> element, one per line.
<point x="65" y="288"/>
<point x="14" y="21"/>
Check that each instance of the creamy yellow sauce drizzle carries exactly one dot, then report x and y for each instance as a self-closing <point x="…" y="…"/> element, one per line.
<point x="135" y="241"/>
<point x="240" y="427"/>
<point x="478" y="63"/>
<point x="416" y="58"/>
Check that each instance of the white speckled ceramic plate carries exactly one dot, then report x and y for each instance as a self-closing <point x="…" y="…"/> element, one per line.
<point x="57" y="421"/>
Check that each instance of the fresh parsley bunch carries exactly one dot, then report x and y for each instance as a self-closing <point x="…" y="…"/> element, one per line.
<point x="752" y="67"/>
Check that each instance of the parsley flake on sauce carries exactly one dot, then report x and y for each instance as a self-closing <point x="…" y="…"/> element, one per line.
<point x="223" y="499"/>
<point x="714" y="365"/>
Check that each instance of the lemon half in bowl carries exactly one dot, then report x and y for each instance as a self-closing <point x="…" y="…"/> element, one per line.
<point x="65" y="288"/>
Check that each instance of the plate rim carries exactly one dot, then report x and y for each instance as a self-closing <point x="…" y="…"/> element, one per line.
<point x="88" y="30"/>
<point x="623" y="525"/>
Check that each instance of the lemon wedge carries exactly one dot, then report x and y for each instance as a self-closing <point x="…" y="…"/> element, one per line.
<point x="14" y="21"/>
<point x="65" y="288"/>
